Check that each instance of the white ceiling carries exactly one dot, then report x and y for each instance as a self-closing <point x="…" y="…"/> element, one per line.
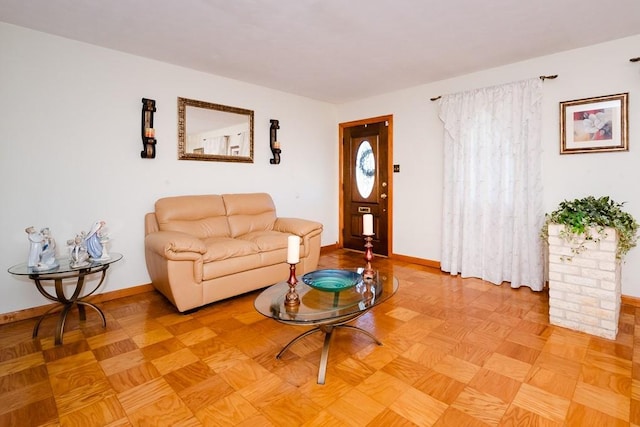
<point x="333" y="50"/>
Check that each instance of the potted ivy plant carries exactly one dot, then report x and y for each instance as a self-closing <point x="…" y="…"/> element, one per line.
<point x="586" y="241"/>
<point x="586" y="220"/>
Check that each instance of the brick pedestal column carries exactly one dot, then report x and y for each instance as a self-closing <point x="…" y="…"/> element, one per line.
<point x="584" y="289"/>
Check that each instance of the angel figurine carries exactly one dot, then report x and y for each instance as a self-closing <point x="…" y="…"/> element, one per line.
<point x="42" y="249"/>
<point x="93" y="241"/>
<point x="35" y="245"/>
<point x="48" y="254"/>
<point x="78" y="256"/>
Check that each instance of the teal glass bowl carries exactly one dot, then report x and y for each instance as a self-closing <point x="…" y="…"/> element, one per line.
<point x="331" y="280"/>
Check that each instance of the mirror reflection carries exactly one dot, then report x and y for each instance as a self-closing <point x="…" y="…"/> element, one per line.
<point x="214" y="132"/>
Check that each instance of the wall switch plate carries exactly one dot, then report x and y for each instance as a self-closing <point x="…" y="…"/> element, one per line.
<point x="396" y="168"/>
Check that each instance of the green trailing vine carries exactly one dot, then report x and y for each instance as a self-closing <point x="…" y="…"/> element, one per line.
<point x="581" y="216"/>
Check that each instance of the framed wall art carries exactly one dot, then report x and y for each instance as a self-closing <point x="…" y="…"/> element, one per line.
<point x="593" y="125"/>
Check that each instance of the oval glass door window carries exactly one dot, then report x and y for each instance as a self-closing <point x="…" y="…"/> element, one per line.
<point x="365" y="169"/>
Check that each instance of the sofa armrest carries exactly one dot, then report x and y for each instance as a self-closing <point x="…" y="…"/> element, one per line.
<point x="175" y="245"/>
<point x="297" y="226"/>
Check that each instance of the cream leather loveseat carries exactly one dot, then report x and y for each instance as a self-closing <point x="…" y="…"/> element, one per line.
<point x="204" y="248"/>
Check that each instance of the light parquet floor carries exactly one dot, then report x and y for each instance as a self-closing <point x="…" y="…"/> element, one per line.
<point x="457" y="352"/>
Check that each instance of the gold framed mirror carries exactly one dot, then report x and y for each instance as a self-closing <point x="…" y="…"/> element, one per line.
<point x="214" y="132"/>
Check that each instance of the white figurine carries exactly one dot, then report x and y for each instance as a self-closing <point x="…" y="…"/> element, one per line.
<point x="48" y="255"/>
<point x="104" y="240"/>
<point x="92" y="240"/>
<point x="78" y="256"/>
<point x="35" y="246"/>
<point x="42" y="250"/>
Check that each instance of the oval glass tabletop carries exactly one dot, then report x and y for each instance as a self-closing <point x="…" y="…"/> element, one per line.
<point x="319" y="306"/>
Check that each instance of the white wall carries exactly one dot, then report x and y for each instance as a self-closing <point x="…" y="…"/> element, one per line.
<point x="70" y="150"/>
<point x="598" y="70"/>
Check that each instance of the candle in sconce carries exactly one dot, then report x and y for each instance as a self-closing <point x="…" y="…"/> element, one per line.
<point x="293" y="250"/>
<point x="367" y="224"/>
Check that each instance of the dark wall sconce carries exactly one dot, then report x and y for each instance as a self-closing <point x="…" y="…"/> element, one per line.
<point x="148" y="131"/>
<point x="273" y="142"/>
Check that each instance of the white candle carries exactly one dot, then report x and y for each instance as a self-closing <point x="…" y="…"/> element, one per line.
<point x="367" y="224"/>
<point x="293" y="250"/>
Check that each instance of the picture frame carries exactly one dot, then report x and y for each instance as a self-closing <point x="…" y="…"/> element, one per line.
<point x="593" y="125"/>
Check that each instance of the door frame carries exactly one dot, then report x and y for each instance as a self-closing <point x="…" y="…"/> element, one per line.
<point x="341" y="127"/>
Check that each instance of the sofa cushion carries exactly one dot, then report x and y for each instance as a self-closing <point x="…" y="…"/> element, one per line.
<point x="267" y="240"/>
<point x="219" y="248"/>
<point x="201" y="215"/>
<point x="249" y="212"/>
<point x="230" y="267"/>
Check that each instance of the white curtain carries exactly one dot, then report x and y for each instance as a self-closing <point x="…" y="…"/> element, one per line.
<point x="492" y="207"/>
<point x="239" y="140"/>
<point x="216" y="145"/>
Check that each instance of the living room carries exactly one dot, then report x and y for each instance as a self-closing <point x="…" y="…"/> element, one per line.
<point x="71" y="147"/>
<point x="455" y="351"/>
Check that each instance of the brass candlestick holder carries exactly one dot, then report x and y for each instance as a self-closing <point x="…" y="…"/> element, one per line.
<point x="368" y="272"/>
<point x="292" y="299"/>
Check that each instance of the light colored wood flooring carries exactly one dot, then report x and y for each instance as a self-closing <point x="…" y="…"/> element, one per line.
<point x="456" y="352"/>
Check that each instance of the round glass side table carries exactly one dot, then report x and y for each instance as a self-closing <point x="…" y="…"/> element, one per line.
<point x="57" y="275"/>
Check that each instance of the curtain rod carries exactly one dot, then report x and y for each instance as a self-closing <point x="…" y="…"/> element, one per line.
<point x="635" y="59"/>
<point x="543" y="78"/>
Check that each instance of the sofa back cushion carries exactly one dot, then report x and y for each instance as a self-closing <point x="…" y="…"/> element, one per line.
<point x="249" y="212"/>
<point x="201" y="216"/>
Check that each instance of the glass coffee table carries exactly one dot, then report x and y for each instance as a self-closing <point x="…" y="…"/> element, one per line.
<point x="58" y="275"/>
<point x="329" y="299"/>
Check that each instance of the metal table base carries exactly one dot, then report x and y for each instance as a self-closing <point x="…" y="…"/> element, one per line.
<point x="328" y="335"/>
